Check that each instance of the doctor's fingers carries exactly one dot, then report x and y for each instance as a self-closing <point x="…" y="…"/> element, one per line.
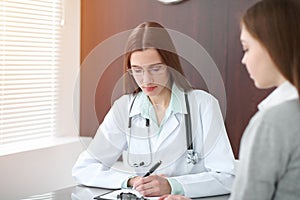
<point x="154" y="186"/>
<point x="144" y="180"/>
<point x="162" y="175"/>
<point x="152" y="191"/>
<point x="173" y="197"/>
<point x="132" y="181"/>
<point x="138" y="182"/>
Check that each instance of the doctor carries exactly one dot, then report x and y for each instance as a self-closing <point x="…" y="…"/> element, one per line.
<point x="159" y="118"/>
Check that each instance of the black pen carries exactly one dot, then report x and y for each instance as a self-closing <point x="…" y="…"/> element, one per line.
<point x="152" y="169"/>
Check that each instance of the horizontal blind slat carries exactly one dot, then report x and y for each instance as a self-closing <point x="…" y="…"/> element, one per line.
<point x="31" y="8"/>
<point x="30" y="109"/>
<point x="22" y="124"/>
<point x="15" y="119"/>
<point x="27" y="95"/>
<point x="29" y="128"/>
<point x="25" y="115"/>
<point x="28" y="86"/>
<point x="26" y="105"/>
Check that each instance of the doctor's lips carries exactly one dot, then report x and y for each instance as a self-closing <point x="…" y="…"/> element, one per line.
<point x="149" y="89"/>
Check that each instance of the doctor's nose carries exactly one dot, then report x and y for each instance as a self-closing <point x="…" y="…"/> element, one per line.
<point x="147" y="77"/>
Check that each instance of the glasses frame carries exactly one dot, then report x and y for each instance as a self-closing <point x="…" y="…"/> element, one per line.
<point x="150" y="71"/>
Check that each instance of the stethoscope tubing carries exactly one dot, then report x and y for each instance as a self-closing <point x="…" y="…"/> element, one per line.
<point x="189" y="137"/>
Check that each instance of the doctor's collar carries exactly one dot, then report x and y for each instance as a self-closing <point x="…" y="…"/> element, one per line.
<point x="142" y="103"/>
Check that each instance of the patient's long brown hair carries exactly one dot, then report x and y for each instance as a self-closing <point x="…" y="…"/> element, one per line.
<point x="276" y="25"/>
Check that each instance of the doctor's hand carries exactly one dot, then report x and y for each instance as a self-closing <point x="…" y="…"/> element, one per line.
<point x="173" y="197"/>
<point x="154" y="185"/>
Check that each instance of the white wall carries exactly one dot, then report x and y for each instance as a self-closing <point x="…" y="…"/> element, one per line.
<point x="38" y="171"/>
<point x="69" y="79"/>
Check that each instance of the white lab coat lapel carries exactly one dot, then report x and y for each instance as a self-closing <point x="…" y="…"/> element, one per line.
<point x="169" y="128"/>
<point x="175" y="121"/>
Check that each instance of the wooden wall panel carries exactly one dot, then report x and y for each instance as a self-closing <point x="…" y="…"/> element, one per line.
<point x="212" y="23"/>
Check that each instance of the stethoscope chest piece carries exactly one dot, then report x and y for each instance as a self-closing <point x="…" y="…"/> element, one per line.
<point x="192" y="157"/>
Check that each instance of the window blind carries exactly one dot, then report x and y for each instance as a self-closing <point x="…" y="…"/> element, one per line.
<point x="29" y="55"/>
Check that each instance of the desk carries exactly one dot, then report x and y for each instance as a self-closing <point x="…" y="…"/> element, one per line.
<point x="87" y="193"/>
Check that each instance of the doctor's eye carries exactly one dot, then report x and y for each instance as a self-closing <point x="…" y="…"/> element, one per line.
<point x="135" y="71"/>
<point x="158" y="68"/>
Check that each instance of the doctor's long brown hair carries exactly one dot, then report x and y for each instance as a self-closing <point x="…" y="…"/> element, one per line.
<point x="276" y="25"/>
<point x="153" y="35"/>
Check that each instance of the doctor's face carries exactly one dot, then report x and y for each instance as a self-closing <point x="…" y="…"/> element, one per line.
<point x="258" y="62"/>
<point x="149" y="71"/>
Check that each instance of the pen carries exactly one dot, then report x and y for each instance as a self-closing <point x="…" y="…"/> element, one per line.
<point x="152" y="169"/>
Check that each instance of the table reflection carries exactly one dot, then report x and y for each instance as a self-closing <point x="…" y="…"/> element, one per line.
<point x="88" y="193"/>
<point x="73" y="193"/>
<point x="83" y="193"/>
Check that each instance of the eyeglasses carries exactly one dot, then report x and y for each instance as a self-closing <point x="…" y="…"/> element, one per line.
<point x="154" y="69"/>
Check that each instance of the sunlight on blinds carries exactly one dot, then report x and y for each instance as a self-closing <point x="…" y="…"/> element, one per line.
<point x="29" y="56"/>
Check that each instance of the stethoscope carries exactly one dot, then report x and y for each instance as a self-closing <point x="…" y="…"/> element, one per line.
<point x="191" y="155"/>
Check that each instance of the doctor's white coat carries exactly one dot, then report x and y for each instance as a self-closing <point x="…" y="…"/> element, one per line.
<point x="212" y="175"/>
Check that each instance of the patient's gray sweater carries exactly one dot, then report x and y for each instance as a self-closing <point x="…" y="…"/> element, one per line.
<point x="270" y="155"/>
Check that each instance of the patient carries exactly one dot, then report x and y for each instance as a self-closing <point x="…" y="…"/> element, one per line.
<point x="270" y="147"/>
